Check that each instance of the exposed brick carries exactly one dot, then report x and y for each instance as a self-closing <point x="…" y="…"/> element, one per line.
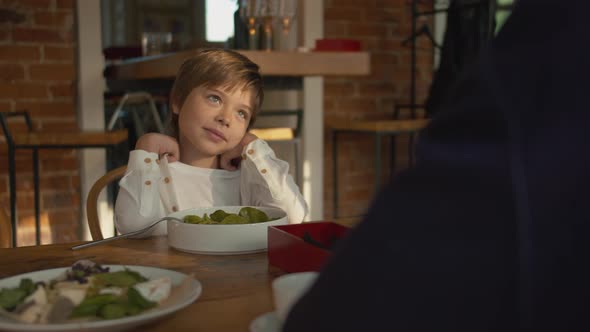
<point x="384" y="58"/>
<point x="11" y="72"/>
<point x="366" y="29"/>
<point x="381" y="15"/>
<point x="19" y="53"/>
<point x="62" y="90"/>
<point x="22" y="90"/>
<point x="63" y="217"/>
<point x="37" y="72"/>
<point x="53" y="72"/>
<point x="48" y="108"/>
<point x="422" y="58"/>
<point x="64" y="164"/>
<point x="41" y="35"/>
<point x="392" y="3"/>
<point x="46" y="154"/>
<point x="336" y="29"/>
<point x="342" y="13"/>
<point x="25" y="200"/>
<point x="391" y="44"/>
<point x="23" y="165"/>
<point x="54" y="19"/>
<point x="56" y="182"/>
<point x="338" y="89"/>
<point x="356" y="103"/>
<point x="59" y="199"/>
<point x="352" y="3"/>
<point x="65" y="4"/>
<point x="6" y="106"/>
<point x="5" y="35"/>
<point x="34" y="4"/>
<point x="377" y="89"/>
<point x="58" y="53"/>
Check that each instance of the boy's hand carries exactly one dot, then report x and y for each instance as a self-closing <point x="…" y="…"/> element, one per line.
<point x="231" y="159"/>
<point x="160" y="144"/>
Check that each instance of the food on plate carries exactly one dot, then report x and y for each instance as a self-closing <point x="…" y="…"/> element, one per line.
<point x="86" y="291"/>
<point x="246" y="215"/>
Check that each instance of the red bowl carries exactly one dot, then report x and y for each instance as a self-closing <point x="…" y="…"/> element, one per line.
<point x="288" y="250"/>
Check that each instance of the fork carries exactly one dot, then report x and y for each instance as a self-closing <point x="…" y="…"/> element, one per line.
<point x="123" y="236"/>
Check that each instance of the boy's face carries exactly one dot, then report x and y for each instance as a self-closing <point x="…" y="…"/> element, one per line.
<point x="212" y="120"/>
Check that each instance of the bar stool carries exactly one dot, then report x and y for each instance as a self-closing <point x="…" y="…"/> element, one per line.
<point x="134" y="99"/>
<point x="34" y="141"/>
<point x="379" y="129"/>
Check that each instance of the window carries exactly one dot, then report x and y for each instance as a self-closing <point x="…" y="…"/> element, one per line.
<point x="220" y="19"/>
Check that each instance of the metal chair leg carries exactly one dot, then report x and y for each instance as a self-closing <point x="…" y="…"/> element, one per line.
<point x="37" y="203"/>
<point x="12" y="185"/>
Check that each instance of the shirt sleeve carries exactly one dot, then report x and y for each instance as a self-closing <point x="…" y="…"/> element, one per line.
<point x="265" y="181"/>
<point x="138" y="201"/>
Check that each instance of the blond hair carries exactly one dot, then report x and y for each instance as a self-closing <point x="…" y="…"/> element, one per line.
<point x="215" y="68"/>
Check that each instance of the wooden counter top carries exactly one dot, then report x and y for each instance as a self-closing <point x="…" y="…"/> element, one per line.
<point x="274" y="63"/>
<point x="68" y="139"/>
<point x="73" y="138"/>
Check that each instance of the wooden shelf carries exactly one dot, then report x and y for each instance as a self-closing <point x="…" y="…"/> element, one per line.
<point x="274" y="63"/>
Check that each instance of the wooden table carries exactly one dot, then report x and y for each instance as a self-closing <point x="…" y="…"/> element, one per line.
<point x="236" y="288"/>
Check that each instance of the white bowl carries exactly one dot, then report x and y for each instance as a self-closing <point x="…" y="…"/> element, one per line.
<point x="222" y="239"/>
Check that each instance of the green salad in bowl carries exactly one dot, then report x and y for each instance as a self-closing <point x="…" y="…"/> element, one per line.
<point x="223" y="230"/>
<point x="246" y="215"/>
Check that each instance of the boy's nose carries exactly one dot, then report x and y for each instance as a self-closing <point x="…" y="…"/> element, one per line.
<point x="223" y="118"/>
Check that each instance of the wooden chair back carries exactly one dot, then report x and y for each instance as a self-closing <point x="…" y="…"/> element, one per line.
<point x="92" y="200"/>
<point x="5" y="230"/>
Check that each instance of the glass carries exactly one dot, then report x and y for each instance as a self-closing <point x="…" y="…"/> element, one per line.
<point x="153" y="43"/>
<point x="286" y="12"/>
<point x="266" y="12"/>
<point x="249" y="17"/>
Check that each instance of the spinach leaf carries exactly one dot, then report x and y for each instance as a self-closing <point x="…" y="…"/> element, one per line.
<point x="137" y="300"/>
<point x="11" y="297"/>
<point x="219" y="215"/>
<point x="121" y="279"/>
<point x="91" y="306"/>
<point x="253" y="215"/>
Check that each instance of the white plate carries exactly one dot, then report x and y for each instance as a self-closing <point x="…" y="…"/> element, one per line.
<point x="267" y="322"/>
<point x="104" y="325"/>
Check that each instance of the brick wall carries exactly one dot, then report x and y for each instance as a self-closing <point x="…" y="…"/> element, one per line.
<point x="38" y="73"/>
<point x="381" y="26"/>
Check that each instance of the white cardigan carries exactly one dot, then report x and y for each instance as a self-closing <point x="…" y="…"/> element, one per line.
<point x="152" y="189"/>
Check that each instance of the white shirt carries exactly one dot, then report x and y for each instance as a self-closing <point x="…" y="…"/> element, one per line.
<point x="152" y="189"/>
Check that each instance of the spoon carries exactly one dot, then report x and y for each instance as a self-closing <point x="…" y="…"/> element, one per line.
<point x="123" y="236"/>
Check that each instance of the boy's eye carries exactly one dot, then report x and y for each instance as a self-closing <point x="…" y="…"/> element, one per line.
<point x="243" y="114"/>
<point x="214" y="98"/>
